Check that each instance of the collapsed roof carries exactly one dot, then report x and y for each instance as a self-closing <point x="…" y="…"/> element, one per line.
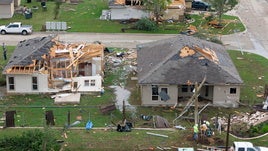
<point x="185" y="59"/>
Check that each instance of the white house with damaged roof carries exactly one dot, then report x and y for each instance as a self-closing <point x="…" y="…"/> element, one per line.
<point x="45" y="65"/>
<point x="168" y="70"/>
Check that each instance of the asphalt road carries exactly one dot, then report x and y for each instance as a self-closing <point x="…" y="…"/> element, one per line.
<point x="253" y="14"/>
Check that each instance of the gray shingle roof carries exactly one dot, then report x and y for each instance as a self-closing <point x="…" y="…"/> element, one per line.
<point x="29" y="50"/>
<point x="160" y="63"/>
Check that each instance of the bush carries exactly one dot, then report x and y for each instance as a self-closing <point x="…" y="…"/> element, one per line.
<point x="146" y="24"/>
<point x="34" y="140"/>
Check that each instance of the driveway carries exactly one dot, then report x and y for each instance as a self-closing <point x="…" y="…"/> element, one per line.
<point x="254" y="15"/>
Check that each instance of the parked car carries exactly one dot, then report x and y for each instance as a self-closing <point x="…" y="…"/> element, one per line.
<point x="200" y="5"/>
<point x="246" y="146"/>
<point x="16" y="28"/>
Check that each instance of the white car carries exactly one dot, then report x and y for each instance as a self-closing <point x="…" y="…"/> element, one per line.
<point x="16" y="28"/>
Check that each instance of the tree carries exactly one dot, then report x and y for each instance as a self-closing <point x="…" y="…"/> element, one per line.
<point x="222" y="6"/>
<point x="157" y="7"/>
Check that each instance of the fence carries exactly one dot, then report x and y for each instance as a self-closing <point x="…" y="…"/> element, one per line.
<point x="56" y="26"/>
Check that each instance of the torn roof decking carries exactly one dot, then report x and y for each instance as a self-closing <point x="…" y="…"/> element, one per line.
<point x="185" y="58"/>
<point x="29" y="53"/>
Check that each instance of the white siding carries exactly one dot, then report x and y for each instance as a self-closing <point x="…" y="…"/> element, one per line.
<point x="81" y="87"/>
<point x="23" y="83"/>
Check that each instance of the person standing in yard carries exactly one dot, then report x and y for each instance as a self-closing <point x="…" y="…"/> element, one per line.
<point x="196" y="132"/>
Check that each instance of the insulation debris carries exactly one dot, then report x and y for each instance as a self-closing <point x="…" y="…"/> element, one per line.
<point x="186" y="51"/>
<point x="73" y="98"/>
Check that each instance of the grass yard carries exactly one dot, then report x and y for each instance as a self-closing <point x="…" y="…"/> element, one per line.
<point x="84" y="17"/>
<point x="253" y="71"/>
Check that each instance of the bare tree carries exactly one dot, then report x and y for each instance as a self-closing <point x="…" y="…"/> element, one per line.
<point x="157" y="7"/>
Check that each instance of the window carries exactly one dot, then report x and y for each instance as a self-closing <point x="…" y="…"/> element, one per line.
<point x="164" y="94"/>
<point x="184" y="88"/>
<point x="92" y="82"/>
<point x="154" y="92"/>
<point x="232" y="90"/>
<point x="75" y="85"/>
<point x="11" y="83"/>
<point x="206" y="92"/>
<point x="250" y="149"/>
<point x="192" y="88"/>
<point x="241" y="149"/>
<point x="34" y="83"/>
<point x="86" y="82"/>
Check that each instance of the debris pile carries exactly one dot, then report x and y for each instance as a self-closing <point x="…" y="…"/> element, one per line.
<point x="250" y="119"/>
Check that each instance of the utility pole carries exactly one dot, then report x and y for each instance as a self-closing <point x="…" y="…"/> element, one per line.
<point x="227" y="136"/>
<point x="196" y="119"/>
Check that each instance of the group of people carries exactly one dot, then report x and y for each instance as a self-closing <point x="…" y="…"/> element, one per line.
<point x="205" y="130"/>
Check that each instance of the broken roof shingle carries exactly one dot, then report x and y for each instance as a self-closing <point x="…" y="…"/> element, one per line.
<point x="160" y="63"/>
<point x="29" y="50"/>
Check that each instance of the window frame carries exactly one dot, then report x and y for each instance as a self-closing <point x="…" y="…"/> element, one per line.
<point x="11" y="85"/>
<point x="154" y="93"/>
<point x="34" y="83"/>
<point x="233" y="90"/>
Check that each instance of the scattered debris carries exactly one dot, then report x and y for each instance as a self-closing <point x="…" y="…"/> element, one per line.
<point x="73" y="98"/>
<point x="156" y="134"/>
<point x="161" y="122"/>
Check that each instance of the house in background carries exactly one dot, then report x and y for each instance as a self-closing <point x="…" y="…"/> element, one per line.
<point x="44" y="65"/>
<point x="134" y="9"/>
<point x="168" y="70"/>
<point x="7" y="8"/>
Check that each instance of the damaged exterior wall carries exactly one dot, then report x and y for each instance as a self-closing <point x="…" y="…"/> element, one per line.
<point x="222" y="95"/>
<point x="146" y="95"/>
<point x="43" y="64"/>
<point x="119" y="10"/>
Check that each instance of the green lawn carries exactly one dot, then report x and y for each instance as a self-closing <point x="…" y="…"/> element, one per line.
<point x="84" y="17"/>
<point x="253" y="71"/>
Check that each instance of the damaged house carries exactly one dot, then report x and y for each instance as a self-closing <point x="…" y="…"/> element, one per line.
<point x="44" y="65"/>
<point x="168" y="70"/>
<point x="134" y="9"/>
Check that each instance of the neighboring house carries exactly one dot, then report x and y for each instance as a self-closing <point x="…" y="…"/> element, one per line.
<point x="6" y="8"/>
<point x="168" y="70"/>
<point x="43" y="65"/>
<point x="134" y="9"/>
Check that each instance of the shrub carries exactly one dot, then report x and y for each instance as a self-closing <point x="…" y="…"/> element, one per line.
<point x="34" y="140"/>
<point x="146" y="24"/>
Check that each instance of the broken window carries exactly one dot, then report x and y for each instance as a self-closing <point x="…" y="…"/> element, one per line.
<point x="192" y="88"/>
<point x="86" y="83"/>
<point x="92" y="82"/>
<point x="164" y="94"/>
<point x="184" y="88"/>
<point x="232" y="90"/>
<point x="34" y="83"/>
<point x="11" y="83"/>
<point x="154" y="92"/>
